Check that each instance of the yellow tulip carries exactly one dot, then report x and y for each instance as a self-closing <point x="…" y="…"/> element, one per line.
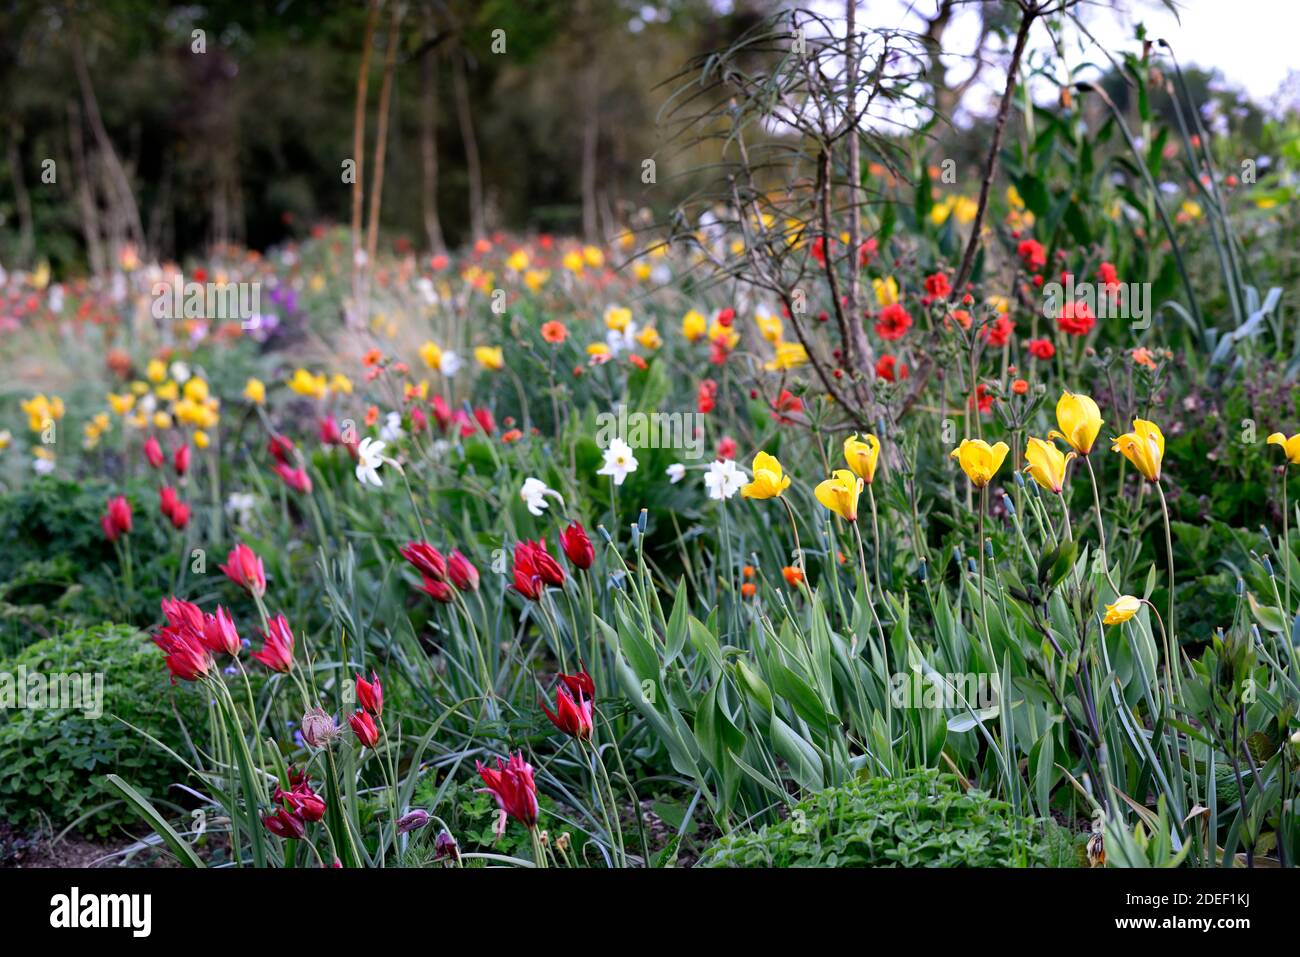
<point x="693" y="326"/>
<point x="490" y="357"/>
<point x="195" y="389"/>
<point x="305" y="383"/>
<point x="1144" y="447"/>
<point x="1079" y="420"/>
<point x="201" y="439"/>
<point x="431" y="353"/>
<point x="1046" y="464"/>
<point x="770" y="479"/>
<point x="1122" y="609"/>
<point x="789" y="355"/>
<point x="341" y="383"/>
<point x="770" y="328"/>
<point x="168" y="391"/>
<point x="617" y="318"/>
<point x="979" y="460"/>
<point x="255" y="391"/>
<point x="156" y="371"/>
<point x="1291" y="446"/>
<point x="861" y="455"/>
<point x="121" y="404"/>
<point x="649" y="338"/>
<point x="886" y="290"/>
<point x="839" y="493"/>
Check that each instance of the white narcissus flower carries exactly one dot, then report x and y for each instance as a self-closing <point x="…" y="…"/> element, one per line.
<point x="723" y="480"/>
<point x="392" y="430"/>
<point x="370" y="455"/>
<point x="676" y="472"/>
<point x="534" y="495"/>
<point x="619" y="460"/>
<point x="449" y="364"/>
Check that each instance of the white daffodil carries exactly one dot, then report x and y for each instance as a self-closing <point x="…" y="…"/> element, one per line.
<point x="723" y="480"/>
<point x="392" y="430"/>
<point x="623" y="340"/>
<point x="42" y="466"/>
<point x="619" y="460"/>
<point x="449" y="364"/>
<point x="534" y="495"/>
<point x="240" y="506"/>
<point x="370" y="455"/>
<point x="676" y="472"/>
<point x="180" y="372"/>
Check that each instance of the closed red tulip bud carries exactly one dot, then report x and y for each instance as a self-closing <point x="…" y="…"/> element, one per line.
<point x="167" y="500"/>
<point x="511" y="784"/>
<point x="363" y="726"/>
<point x="329" y="431"/>
<point x="116" y="520"/>
<point x="296" y="479"/>
<point x="153" y="452"/>
<point x="462" y="572"/>
<point x="284" y="824"/>
<point x="279" y="448"/>
<point x="185" y="656"/>
<point x="426" y="559"/>
<point x="183" y="615"/>
<point x="573" y="713"/>
<point x="181" y="460"/>
<point x="180" y="515"/>
<point x="277" y="648"/>
<point x="577" y="546"/>
<point x="219" y="634"/>
<point x="244" y="568"/>
<point x="370" y="694"/>
<point x="437" y="590"/>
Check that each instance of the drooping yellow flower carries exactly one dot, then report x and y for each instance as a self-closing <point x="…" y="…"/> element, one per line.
<point x="431" y="353"/>
<point x="169" y="391"/>
<point x="617" y="318"/>
<point x="1046" y="464"/>
<point x="42" y="411"/>
<point x="1144" y="447"/>
<point x="196" y="390"/>
<point x="517" y="261"/>
<point x="693" y="326"/>
<point x="964" y="209"/>
<point x="770" y="327"/>
<point x="573" y="261"/>
<point x="156" y="370"/>
<point x="490" y="357"/>
<point x="1290" y="446"/>
<point x="789" y="355"/>
<point x="1079" y="421"/>
<point x="201" y="439"/>
<point x="770" y="479"/>
<point x="839" y="493"/>
<point x="886" y="290"/>
<point x="121" y="404"/>
<point x="861" y="454"/>
<point x="597" y="349"/>
<point x="535" y="279"/>
<point x="304" y="383"/>
<point x="979" y="460"/>
<point x="593" y="257"/>
<point x="255" y="392"/>
<point x="340" y="384"/>
<point x="162" y="421"/>
<point x="649" y="338"/>
<point x="1122" y="609"/>
<point x="641" y="270"/>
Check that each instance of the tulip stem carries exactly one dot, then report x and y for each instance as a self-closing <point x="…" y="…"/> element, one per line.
<point x="984" y="611"/>
<point x="866" y="585"/>
<point x="1101" y="524"/>
<point x="798" y="551"/>
<point x="1169" y="555"/>
<point x="875" y="534"/>
<point x="1286" y="545"/>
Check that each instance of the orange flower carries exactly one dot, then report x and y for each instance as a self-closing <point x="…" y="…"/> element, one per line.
<point x="514" y="435"/>
<point x="372" y="358"/>
<point x="637" y="361"/>
<point x="1142" y="356"/>
<point x="793" y="576"/>
<point x="1020" y="387"/>
<point x="554" y="332"/>
<point x="748" y="571"/>
<point x="749" y="589"/>
<point x="372" y="415"/>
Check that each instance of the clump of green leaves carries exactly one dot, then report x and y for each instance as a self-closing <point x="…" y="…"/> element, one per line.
<point x="52" y="761"/>
<point x="920" y="819"/>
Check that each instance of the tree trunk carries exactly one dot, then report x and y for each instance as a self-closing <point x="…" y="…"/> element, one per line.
<point x="590" y="139"/>
<point x="473" y="167"/>
<point x="429" y="144"/>
<point x="381" y="136"/>
<point x="359" y="143"/>
<point x="85" y="194"/>
<point x="22" y="199"/>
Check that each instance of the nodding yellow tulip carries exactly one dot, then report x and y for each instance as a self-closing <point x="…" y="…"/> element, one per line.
<point x="979" y="460"/>
<point x="769" y="478"/>
<point x="1144" y="447"/>
<point x="1047" y="464"/>
<point x="1079" y="420"/>
<point x="1290" y="446"/>
<point x="840" y="492"/>
<point x="1122" y="609"/>
<point x="861" y="455"/>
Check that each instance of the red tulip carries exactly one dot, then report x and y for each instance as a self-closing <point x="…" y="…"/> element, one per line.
<point x="153" y="452"/>
<point x="526" y="580"/>
<point x="485" y="420"/>
<point x="183" y="615"/>
<point x="284" y="824"/>
<point x="117" y="519"/>
<point x="244" y="568"/>
<point x="277" y="647"/>
<point x="426" y="559"/>
<point x="167" y="500"/>
<point x="300" y="799"/>
<point x="180" y="515"/>
<point x="279" y="448"/>
<point x="462" y="572"/>
<point x="219" y="633"/>
<point x="573" y="714"/>
<point x="441" y="412"/>
<point x="511" y="783"/>
<point x="329" y="431"/>
<point x="437" y="590"/>
<point x="181" y="460"/>
<point x="370" y="694"/>
<point x="364" y="727"/>
<point x="577" y="546"/>
<point x="296" y="479"/>
<point x="185" y="656"/>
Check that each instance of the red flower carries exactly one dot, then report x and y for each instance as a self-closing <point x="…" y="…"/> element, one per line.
<point x="1041" y="348"/>
<point x="534" y="568"/>
<point x="706" y="399"/>
<point x="577" y="546"/>
<point x="462" y="572"/>
<point x="890" y="369"/>
<point x="428" y="561"/>
<point x="244" y="568"/>
<point x="573" y="714"/>
<point x="167" y="500"/>
<point x="183" y="615"/>
<point x="983" y="397"/>
<point x="277" y="646"/>
<point x="1032" y="254"/>
<point x="893" y="322"/>
<point x="436" y="589"/>
<point x="441" y="412"/>
<point x="219" y="634"/>
<point x="1108" y="275"/>
<point x="784" y="405"/>
<point x="181" y="460"/>
<point x="117" y="519"/>
<point x="867" y="252"/>
<point x="1019" y="386"/>
<point x="279" y="447"/>
<point x="726" y="448"/>
<point x="511" y="783"/>
<point x="180" y="515"/>
<point x="1076" y="319"/>
<point x="153" y="452"/>
<point x="363" y="726"/>
<point x="300" y="799"/>
<point x="182" y="643"/>
<point x="726" y="317"/>
<point x="485" y="420"/>
<point x="286" y="825"/>
<point x="937" y="287"/>
<point x="329" y="431"/>
<point x="370" y="694"/>
<point x="296" y="479"/>
<point x="998" y="332"/>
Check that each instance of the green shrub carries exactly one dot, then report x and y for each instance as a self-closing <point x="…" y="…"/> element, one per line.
<point x="52" y="761"/>
<point x="922" y="819"/>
